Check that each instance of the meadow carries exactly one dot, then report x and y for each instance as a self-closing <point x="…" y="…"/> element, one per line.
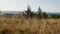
<point x="21" y="25"/>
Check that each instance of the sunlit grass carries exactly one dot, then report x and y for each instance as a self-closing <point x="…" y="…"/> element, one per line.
<point x="16" y="25"/>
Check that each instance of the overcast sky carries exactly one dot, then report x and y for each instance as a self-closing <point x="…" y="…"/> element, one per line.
<point x="21" y="5"/>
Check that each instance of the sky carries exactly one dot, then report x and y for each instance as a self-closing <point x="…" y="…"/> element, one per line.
<point x="21" y="5"/>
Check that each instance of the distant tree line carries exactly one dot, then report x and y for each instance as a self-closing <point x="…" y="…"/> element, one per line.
<point x="39" y="14"/>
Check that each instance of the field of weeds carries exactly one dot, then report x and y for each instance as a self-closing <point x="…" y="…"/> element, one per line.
<point x="29" y="26"/>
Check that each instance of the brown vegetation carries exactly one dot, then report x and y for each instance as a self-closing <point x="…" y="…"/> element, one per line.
<point x="16" y="25"/>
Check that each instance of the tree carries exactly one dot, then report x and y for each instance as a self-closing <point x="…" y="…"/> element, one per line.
<point x="39" y="15"/>
<point x="28" y="12"/>
<point x="0" y="12"/>
<point x="44" y="15"/>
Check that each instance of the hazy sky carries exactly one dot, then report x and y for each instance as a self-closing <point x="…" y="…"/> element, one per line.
<point x="21" y="5"/>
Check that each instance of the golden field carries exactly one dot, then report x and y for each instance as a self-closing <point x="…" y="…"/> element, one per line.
<point x="16" y="25"/>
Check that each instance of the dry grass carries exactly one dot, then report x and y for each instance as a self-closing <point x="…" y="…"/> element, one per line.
<point x="31" y="26"/>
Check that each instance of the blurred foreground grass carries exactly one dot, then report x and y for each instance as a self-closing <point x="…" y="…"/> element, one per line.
<point x="29" y="26"/>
